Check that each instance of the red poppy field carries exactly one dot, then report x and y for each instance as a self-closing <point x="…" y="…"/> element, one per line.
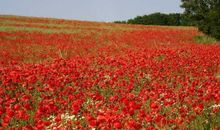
<point x="63" y="74"/>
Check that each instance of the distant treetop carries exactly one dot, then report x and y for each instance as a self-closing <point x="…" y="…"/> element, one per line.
<point x="172" y="19"/>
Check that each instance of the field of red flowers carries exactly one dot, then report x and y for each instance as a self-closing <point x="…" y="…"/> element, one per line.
<point x="62" y="74"/>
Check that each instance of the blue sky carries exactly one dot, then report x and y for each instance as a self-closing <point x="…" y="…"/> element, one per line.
<point x="91" y="10"/>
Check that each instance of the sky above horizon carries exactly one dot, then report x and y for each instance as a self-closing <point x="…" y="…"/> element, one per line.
<point x="89" y="10"/>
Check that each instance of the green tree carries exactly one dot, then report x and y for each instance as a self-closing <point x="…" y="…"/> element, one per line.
<point x="151" y="19"/>
<point x="205" y="14"/>
<point x="174" y="19"/>
<point x="156" y="19"/>
<point x="120" y="22"/>
<point x="136" y="20"/>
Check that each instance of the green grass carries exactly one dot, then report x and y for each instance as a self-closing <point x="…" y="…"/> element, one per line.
<point x="33" y="29"/>
<point x="206" y="121"/>
<point x="205" y="39"/>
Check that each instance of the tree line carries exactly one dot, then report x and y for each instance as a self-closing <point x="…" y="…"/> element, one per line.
<point x="172" y="19"/>
<point x="205" y="14"/>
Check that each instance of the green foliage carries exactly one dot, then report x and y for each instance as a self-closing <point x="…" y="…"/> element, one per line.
<point x="122" y="22"/>
<point x="206" y="121"/>
<point x="172" y="19"/>
<point x="152" y="19"/>
<point x="205" y="39"/>
<point x="205" y="14"/>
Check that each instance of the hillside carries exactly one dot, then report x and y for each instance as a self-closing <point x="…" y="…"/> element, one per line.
<point x="67" y="74"/>
<point x="34" y="39"/>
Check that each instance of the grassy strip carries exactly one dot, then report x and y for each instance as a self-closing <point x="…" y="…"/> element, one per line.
<point x="205" y="39"/>
<point x="33" y="29"/>
<point x="68" y="25"/>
